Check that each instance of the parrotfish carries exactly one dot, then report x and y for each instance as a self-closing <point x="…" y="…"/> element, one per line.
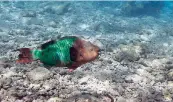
<point x="70" y="51"/>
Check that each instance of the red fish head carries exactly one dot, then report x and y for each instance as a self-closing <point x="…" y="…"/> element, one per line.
<point x="86" y="51"/>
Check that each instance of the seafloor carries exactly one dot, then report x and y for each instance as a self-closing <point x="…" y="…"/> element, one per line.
<point x="135" y="65"/>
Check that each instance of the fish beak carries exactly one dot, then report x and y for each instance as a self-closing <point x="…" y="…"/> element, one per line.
<point x="99" y="51"/>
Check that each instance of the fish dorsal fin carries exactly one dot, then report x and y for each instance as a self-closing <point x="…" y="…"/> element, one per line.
<point x="53" y="41"/>
<point x="68" y="37"/>
<point x="73" y="54"/>
<point x="45" y="45"/>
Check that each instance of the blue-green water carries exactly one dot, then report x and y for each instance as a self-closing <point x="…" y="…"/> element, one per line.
<point x="125" y="21"/>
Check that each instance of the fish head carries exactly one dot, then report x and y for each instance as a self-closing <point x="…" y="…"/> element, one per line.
<point x="86" y="51"/>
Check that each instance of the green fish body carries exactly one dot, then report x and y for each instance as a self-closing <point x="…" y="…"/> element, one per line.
<point x="56" y="53"/>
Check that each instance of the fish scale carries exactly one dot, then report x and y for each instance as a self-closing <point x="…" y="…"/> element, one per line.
<point x="56" y="53"/>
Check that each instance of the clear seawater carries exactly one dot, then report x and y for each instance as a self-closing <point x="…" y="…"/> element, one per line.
<point x="124" y="20"/>
<point x="114" y="25"/>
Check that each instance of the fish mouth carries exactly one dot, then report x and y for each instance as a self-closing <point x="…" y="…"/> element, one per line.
<point x="98" y="53"/>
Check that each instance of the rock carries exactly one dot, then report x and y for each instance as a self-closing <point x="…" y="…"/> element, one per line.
<point x="84" y="100"/>
<point x="54" y="99"/>
<point x="19" y="101"/>
<point x="138" y="8"/>
<point x="35" y="86"/>
<point x="170" y="84"/>
<point x="133" y="78"/>
<point x="83" y="26"/>
<point x="144" y="37"/>
<point x="53" y="24"/>
<point x="169" y="66"/>
<point x="63" y="72"/>
<point x="99" y="44"/>
<point x="141" y="72"/>
<point x="133" y="100"/>
<point x="27" y="99"/>
<point x="18" y="94"/>
<point x="4" y="37"/>
<point x="156" y="63"/>
<point x="167" y="95"/>
<point x="128" y="52"/>
<point x="170" y="75"/>
<point x="39" y="73"/>
<point x="107" y="27"/>
<point x="34" y="21"/>
<point x="29" y="14"/>
<point x="84" y="79"/>
<point x="107" y="99"/>
<point x="160" y="77"/>
<point x="9" y="74"/>
<point x="3" y="64"/>
<point x="3" y="60"/>
<point x="121" y="99"/>
<point x="18" y="32"/>
<point x="58" y="9"/>
<point x="145" y="63"/>
<point x="83" y="83"/>
<point x="5" y="83"/>
<point x="120" y="90"/>
<point x="47" y="86"/>
<point x="38" y="100"/>
<point x="21" y="39"/>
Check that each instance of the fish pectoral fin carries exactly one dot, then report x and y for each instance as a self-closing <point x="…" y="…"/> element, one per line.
<point x="73" y="54"/>
<point x="72" y="68"/>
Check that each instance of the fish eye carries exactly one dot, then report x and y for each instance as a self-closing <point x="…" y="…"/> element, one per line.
<point x="80" y="46"/>
<point x="91" y="49"/>
<point x="80" y="55"/>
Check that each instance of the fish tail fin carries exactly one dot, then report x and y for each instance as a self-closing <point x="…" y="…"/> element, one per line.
<point x="27" y="55"/>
